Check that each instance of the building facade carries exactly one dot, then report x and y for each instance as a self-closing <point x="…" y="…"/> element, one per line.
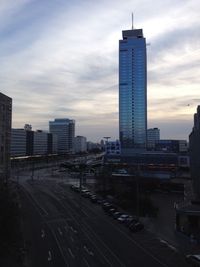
<point x="65" y="131"/>
<point x="18" y="143"/>
<point x="153" y="135"/>
<point x="25" y="142"/>
<point x="80" y="144"/>
<point x="40" y="143"/>
<point x="170" y="145"/>
<point x="113" y="147"/>
<point x="5" y="136"/>
<point x="194" y="145"/>
<point x="132" y="90"/>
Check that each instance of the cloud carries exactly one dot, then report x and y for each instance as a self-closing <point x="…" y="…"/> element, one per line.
<point x="60" y="59"/>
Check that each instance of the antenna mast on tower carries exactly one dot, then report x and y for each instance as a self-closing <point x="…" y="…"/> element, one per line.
<point x="132" y="21"/>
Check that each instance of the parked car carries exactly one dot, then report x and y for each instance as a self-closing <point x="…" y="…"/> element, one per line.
<point x="130" y="220"/>
<point x="122" y="218"/>
<point x="93" y="199"/>
<point x="135" y="227"/>
<point x="106" y="206"/>
<point x="111" y="211"/>
<point x="194" y="260"/>
<point x="117" y="214"/>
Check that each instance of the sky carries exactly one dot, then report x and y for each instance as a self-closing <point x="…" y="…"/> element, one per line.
<point x="59" y="59"/>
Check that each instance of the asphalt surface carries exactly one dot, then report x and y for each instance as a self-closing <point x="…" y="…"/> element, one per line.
<point x="61" y="228"/>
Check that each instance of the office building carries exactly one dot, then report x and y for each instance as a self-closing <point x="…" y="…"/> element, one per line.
<point x="194" y="144"/>
<point x="80" y="144"/>
<point x="153" y="135"/>
<point x="25" y="142"/>
<point x="18" y="143"/>
<point x="40" y="143"/>
<point x="65" y="131"/>
<point x="132" y="91"/>
<point x="188" y="212"/>
<point x="5" y="136"/>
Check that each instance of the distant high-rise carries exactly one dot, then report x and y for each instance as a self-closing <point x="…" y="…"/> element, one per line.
<point x="65" y="131"/>
<point x="194" y="139"/>
<point x="5" y="136"/>
<point x="132" y="90"/>
<point x="80" y="144"/>
<point x="153" y="135"/>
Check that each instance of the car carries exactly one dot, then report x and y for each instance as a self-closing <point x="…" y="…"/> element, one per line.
<point x="106" y="206"/>
<point x="194" y="259"/>
<point x="117" y="214"/>
<point x="136" y="227"/>
<point x="93" y="199"/>
<point x="112" y="211"/>
<point x="122" y="218"/>
<point x="130" y="220"/>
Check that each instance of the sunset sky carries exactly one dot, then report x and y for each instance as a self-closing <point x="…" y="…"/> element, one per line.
<point x="59" y="59"/>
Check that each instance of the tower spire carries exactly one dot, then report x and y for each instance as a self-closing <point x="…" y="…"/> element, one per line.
<point x="132" y="21"/>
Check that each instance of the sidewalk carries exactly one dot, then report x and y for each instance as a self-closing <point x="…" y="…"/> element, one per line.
<point x="164" y="225"/>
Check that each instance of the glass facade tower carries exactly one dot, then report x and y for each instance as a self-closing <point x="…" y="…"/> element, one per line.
<point x="133" y="90"/>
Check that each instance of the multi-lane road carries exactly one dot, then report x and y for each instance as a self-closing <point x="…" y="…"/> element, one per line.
<point x="61" y="228"/>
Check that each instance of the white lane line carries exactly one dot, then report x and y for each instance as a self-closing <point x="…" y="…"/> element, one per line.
<point x="89" y="252"/>
<point x="65" y="207"/>
<point x="42" y="233"/>
<point x="61" y="251"/>
<point x="70" y="252"/>
<point x="73" y="230"/>
<point x="66" y="228"/>
<point x="103" y="243"/>
<point x="59" y="230"/>
<point x="49" y="256"/>
<point x="34" y="201"/>
<point x="97" y="248"/>
<point x="169" y="245"/>
<point x="86" y="262"/>
<point x="133" y="241"/>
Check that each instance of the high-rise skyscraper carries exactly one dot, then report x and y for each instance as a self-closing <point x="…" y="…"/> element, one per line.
<point x="65" y="131"/>
<point x="132" y="90"/>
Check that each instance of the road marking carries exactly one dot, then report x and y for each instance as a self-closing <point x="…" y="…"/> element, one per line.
<point x="34" y="201"/>
<point x="86" y="262"/>
<point x="88" y="251"/>
<point x="42" y="233"/>
<point x="66" y="228"/>
<point x="61" y="251"/>
<point x="65" y="207"/>
<point x="167" y="244"/>
<point x="100" y="252"/>
<point x="73" y="230"/>
<point x="49" y="256"/>
<point x="70" y="252"/>
<point x="133" y="241"/>
<point x="59" y="230"/>
<point x="103" y="243"/>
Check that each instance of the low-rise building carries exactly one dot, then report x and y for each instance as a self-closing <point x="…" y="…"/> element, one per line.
<point x="112" y="147"/>
<point x="171" y="146"/>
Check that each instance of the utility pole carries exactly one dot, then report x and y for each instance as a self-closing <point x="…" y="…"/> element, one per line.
<point x="138" y="189"/>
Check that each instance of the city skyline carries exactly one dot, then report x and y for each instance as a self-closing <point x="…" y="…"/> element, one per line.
<point x="61" y="60"/>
